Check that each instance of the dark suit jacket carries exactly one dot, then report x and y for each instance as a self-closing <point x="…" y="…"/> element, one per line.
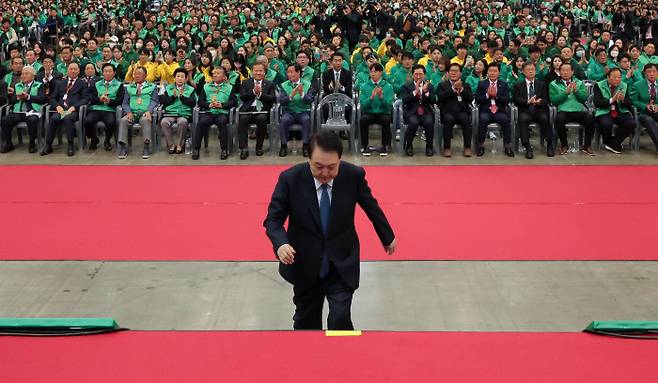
<point x="400" y="25"/>
<point x="49" y="85"/>
<point x="268" y="97"/>
<point x="345" y="81"/>
<point x="447" y="98"/>
<point x="520" y="95"/>
<point x="77" y="96"/>
<point x="295" y="198"/>
<point x="411" y="102"/>
<point x="502" y="97"/>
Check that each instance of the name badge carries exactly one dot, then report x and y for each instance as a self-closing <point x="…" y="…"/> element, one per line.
<point x="65" y="97"/>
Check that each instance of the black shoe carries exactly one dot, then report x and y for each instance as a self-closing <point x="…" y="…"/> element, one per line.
<point x="6" y="148"/>
<point x="529" y="152"/>
<point x="509" y="152"/>
<point x="70" y="150"/>
<point x="305" y="150"/>
<point x="259" y="152"/>
<point x="146" y="153"/>
<point x="244" y="153"/>
<point x="195" y="154"/>
<point x="94" y="144"/>
<point x="409" y="150"/>
<point x="223" y="154"/>
<point x="429" y="151"/>
<point x="283" y="151"/>
<point x="107" y="145"/>
<point x="480" y="151"/>
<point x="550" y="152"/>
<point x="47" y="149"/>
<point x="123" y="151"/>
<point x="383" y="151"/>
<point x="33" y="147"/>
<point x="365" y="151"/>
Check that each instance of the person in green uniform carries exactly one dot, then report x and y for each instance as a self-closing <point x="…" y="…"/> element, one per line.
<point x="597" y="69"/>
<point x="376" y="99"/>
<point x="139" y="103"/>
<point x="178" y="99"/>
<point x="643" y="95"/>
<point x="613" y="107"/>
<point x="295" y="97"/>
<point x="105" y="96"/>
<point x="399" y="77"/>
<point x="216" y="99"/>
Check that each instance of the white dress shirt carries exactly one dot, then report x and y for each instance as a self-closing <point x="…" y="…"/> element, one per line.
<point x="318" y="189"/>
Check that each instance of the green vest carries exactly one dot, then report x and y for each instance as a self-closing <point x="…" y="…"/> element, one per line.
<point x="177" y="107"/>
<point x="34" y="90"/>
<point x="376" y="105"/>
<point x="297" y="104"/>
<point x="110" y="91"/>
<point x="605" y="92"/>
<point x="220" y="93"/>
<point x="140" y="104"/>
<point x="572" y="102"/>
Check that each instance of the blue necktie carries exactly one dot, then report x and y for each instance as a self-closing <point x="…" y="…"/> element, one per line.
<point x="325" y="205"/>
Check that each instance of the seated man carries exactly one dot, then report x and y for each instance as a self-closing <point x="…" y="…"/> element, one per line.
<point x="613" y="106"/>
<point x="643" y="95"/>
<point x="178" y="100"/>
<point x="569" y="96"/>
<point x="25" y="106"/>
<point x="139" y="102"/>
<point x="417" y="108"/>
<point x="492" y="96"/>
<point x="258" y="95"/>
<point x="104" y="98"/>
<point x="217" y="98"/>
<point x="296" y="98"/>
<point x="376" y="100"/>
<point x="531" y="97"/>
<point x="454" y="99"/>
<point x="69" y="95"/>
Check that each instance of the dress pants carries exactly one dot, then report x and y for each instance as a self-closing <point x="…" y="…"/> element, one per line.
<point x="288" y="119"/>
<point x="12" y="119"/>
<point x="649" y="122"/>
<point x="584" y="118"/>
<point x="413" y="121"/>
<point x="486" y="118"/>
<point x="68" y="124"/>
<point x="174" y="137"/>
<point x="625" y="127"/>
<point x="260" y="119"/>
<point x="95" y="116"/>
<point x="450" y="120"/>
<point x="309" y="301"/>
<point x="124" y="127"/>
<point x="205" y="122"/>
<point x="370" y="119"/>
<point x="540" y="116"/>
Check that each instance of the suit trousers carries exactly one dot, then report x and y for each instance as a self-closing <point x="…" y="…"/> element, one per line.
<point x="370" y="119"/>
<point x="288" y="119"/>
<point x="95" y="116"/>
<point x="124" y="127"/>
<point x="12" y="119"/>
<point x="205" y="122"/>
<point x="309" y="301"/>
<point x="174" y="137"/>
<point x="584" y="118"/>
<point x="625" y="127"/>
<point x="67" y="122"/>
<point x="486" y="118"/>
<point x="540" y="117"/>
<point x="413" y="121"/>
<point x="260" y="119"/>
<point x="450" y="120"/>
<point x="649" y="122"/>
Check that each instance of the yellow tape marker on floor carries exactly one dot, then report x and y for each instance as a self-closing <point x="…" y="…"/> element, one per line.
<point x="343" y="333"/>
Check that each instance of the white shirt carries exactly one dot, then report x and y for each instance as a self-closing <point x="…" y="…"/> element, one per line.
<point x="318" y="189"/>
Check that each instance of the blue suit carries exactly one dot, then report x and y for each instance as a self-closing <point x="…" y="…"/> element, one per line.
<point x="486" y="116"/>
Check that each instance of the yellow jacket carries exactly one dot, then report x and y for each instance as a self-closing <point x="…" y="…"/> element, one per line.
<point x="151" y="71"/>
<point x="390" y="64"/>
<point x="166" y="71"/>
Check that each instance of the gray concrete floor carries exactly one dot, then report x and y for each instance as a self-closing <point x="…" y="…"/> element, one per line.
<point x="402" y="296"/>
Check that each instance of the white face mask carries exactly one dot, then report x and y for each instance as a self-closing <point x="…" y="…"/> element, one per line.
<point x="139" y="45"/>
<point x="213" y="53"/>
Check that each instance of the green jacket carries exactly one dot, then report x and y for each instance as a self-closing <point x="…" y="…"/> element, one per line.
<point x="34" y="91"/>
<point x="399" y="78"/>
<point x="572" y="102"/>
<point x="605" y="92"/>
<point x="298" y="103"/>
<point x="377" y="105"/>
<point x="111" y="92"/>
<point x="641" y="95"/>
<point x="180" y="105"/>
<point x="140" y="104"/>
<point x="596" y="71"/>
<point x="221" y="94"/>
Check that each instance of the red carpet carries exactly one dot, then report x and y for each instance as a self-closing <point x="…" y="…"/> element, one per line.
<point x="438" y="213"/>
<point x="165" y="357"/>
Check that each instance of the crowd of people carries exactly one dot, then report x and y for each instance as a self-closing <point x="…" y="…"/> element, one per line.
<point x="594" y="62"/>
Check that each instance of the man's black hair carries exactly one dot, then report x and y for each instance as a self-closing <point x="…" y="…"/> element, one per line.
<point x="326" y="140"/>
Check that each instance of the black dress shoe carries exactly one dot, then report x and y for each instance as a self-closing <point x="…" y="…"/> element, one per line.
<point x="70" y="150"/>
<point x="259" y="152"/>
<point x="409" y="150"/>
<point x="6" y="148"/>
<point x="480" y="151"/>
<point x="509" y="152"/>
<point x="108" y="145"/>
<point x="244" y="153"/>
<point x="33" y="147"/>
<point x="529" y="152"/>
<point x="94" y="144"/>
<point x="429" y="151"/>
<point x="195" y="154"/>
<point x="550" y="151"/>
<point x="223" y="154"/>
<point x="283" y="151"/>
<point x="305" y="150"/>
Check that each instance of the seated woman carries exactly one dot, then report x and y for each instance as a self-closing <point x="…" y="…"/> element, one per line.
<point x="178" y="100"/>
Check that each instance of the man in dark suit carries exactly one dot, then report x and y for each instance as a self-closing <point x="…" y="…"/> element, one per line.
<point x="405" y="23"/>
<point x="417" y="108"/>
<point x="454" y="101"/>
<point x="48" y="75"/>
<point x="319" y="252"/>
<point x="337" y="79"/>
<point x="257" y="95"/>
<point x="492" y="96"/>
<point x="613" y="107"/>
<point x="531" y="97"/>
<point x="69" y="96"/>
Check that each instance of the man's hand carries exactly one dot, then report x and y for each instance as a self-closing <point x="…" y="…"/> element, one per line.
<point x="147" y="115"/>
<point x="130" y="116"/>
<point x="390" y="249"/>
<point x="286" y="254"/>
<point x="459" y="86"/>
<point x="300" y="89"/>
<point x="60" y="110"/>
<point x="426" y="87"/>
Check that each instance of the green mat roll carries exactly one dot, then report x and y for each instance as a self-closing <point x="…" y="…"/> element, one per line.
<point x="627" y="329"/>
<point x="57" y="326"/>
